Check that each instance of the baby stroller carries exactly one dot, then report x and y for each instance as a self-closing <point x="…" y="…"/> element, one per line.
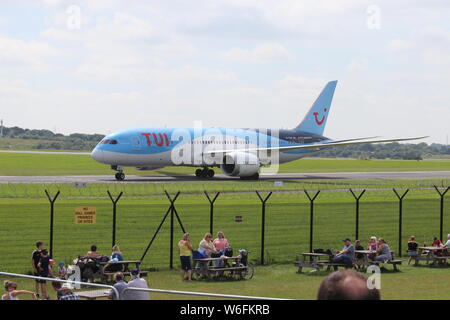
<point x="90" y="268"/>
<point x="247" y="269"/>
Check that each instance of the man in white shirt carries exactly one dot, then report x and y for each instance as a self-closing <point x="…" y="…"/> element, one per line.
<point x="136" y="282"/>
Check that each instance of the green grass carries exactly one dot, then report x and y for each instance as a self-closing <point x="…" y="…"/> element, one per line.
<point x="26" y="220"/>
<point x="24" y="217"/>
<point x="282" y="281"/>
<point x="64" y="164"/>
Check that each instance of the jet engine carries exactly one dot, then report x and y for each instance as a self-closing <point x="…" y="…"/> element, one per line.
<point x="242" y="164"/>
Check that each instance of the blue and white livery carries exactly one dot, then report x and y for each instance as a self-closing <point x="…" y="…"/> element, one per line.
<point x="237" y="152"/>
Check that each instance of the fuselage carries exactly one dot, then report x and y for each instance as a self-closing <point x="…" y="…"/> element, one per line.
<point x="158" y="147"/>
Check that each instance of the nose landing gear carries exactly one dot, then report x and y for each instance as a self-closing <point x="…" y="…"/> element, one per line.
<point x="120" y="176"/>
<point x="204" y="173"/>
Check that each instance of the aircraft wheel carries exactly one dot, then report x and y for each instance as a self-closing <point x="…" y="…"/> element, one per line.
<point x="198" y="173"/>
<point x="120" y="176"/>
<point x="210" y="173"/>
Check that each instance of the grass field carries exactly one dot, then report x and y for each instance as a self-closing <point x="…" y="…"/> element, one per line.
<point x="25" y="219"/>
<point x="54" y="164"/>
<point x="24" y="216"/>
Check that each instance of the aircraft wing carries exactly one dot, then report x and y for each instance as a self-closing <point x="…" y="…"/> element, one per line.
<point x="318" y="146"/>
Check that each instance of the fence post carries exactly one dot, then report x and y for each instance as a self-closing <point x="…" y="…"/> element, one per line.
<point x="263" y="222"/>
<point x="211" y="211"/>
<point x="311" y="218"/>
<point x="114" y="202"/>
<point x="441" y="223"/>
<point x="172" y="212"/>
<point x="400" y="219"/>
<point x="357" y="211"/>
<point x="52" y="211"/>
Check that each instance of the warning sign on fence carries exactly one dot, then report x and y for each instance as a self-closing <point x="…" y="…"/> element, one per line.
<point x="85" y="215"/>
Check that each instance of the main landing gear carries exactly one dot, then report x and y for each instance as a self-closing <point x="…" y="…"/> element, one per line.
<point x="120" y="176"/>
<point x="204" y="173"/>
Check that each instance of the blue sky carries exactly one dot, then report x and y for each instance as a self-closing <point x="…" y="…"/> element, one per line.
<point x="100" y="66"/>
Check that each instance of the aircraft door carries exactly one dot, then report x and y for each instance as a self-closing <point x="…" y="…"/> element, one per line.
<point x="136" y="143"/>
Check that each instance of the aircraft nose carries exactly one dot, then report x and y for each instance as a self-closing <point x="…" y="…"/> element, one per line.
<point x="97" y="155"/>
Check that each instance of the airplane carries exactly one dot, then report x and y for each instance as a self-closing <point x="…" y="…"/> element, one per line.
<point x="240" y="152"/>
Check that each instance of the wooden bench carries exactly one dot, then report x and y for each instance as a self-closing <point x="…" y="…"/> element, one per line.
<point x="394" y="263"/>
<point x="126" y="273"/>
<point x="336" y="265"/>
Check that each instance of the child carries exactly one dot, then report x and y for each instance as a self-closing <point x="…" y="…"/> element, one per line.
<point x="62" y="271"/>
<point x="373" y="246"/>
<point x="359" y="256"/>
<point x="412" y="248"/>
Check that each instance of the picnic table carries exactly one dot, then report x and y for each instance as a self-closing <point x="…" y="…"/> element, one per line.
<point x="312" y="260"/>
<point x="435" y="255"/>
<point x="319" y="260"/>
<point x="365" y="261"/>
<point x="125" y="267"/>
<point x="205" y="268"/>
<point x="93" y="294"/>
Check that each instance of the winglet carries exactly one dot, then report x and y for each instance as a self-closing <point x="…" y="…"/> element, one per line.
<point x="316" y="118"/>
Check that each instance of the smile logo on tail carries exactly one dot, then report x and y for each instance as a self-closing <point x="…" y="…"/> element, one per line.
<point x="316" y="114"/>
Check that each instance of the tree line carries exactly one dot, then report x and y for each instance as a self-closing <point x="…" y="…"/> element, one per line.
<point x="395" y="150"/>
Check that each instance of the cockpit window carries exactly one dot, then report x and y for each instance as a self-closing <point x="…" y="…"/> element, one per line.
<point x="107" y="141"/>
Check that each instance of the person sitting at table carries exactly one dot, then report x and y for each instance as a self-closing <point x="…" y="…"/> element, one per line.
<point x="359" y="256"/>
<point x="346" y="255"/>
<point x="93" y="252"/>
<point x="437" y="243"/>
<point x="412" y="248"/>
<point x="207" y="245"/>
<point x="220" y="244"/>
<point x="372" y="246"/>
<point x="446" y="246"/>
<point x="116" y="256"/>
<point x="384" y="252"/>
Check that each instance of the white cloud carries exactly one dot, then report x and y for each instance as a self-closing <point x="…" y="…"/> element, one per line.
<point x="35" y="55"/>
<point x="398" y="45"/>
<point x="266" y="52"/>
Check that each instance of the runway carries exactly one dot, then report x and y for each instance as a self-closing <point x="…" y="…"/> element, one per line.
<point x="220" y="177"/>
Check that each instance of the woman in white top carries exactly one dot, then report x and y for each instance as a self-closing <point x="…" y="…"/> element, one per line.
<point x="12" y="292"/>
<point x="207" y="245"/>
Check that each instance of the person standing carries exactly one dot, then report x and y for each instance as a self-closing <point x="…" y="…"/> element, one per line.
<point x="412" y="248"/>
<point x="45" y="271"/>
<point x="185" y="247"/>
<point x="35" y="257"/>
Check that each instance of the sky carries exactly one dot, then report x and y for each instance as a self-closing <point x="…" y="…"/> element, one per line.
<point x="101" y="66"/>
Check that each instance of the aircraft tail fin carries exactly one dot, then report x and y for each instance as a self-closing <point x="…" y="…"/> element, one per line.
<point x="316" y="118"/>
